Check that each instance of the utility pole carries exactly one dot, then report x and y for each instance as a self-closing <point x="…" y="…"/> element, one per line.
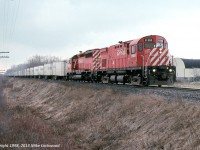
<point x="3" y="56"/>
<point x="2" y="71"/>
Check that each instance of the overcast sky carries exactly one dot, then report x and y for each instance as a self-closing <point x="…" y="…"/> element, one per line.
<point x="64" y="27"/>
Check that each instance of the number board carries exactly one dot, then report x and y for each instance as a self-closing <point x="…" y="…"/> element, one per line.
<point x="148" y="40"/>
<point x="160" y="41"/>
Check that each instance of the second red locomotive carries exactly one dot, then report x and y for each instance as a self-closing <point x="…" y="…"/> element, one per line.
<point x="143" y="61"/>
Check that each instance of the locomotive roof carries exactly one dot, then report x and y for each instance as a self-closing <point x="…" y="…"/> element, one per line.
<point x="135" y="41"/>
<point x="191" y="63"/>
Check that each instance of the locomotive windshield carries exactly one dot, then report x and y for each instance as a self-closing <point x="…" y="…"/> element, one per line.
<point x="149" y="45"/>
<point x="153" y="45"/>
<point x="160" y="43"/>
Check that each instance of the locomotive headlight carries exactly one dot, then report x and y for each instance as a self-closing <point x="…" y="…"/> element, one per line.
<point x="154" y="70"/>
<point x="170" y="70"/>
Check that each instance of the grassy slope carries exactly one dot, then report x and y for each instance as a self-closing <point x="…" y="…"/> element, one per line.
<point x="89" y="118"/>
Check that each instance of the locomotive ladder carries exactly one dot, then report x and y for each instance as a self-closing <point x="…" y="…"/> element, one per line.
<point x="145" y="68"/>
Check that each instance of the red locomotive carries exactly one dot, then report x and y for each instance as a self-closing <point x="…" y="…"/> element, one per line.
<point x="143" y="61"/>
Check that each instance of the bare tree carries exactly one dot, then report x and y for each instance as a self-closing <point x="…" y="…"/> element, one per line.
<point x="38" y="60"/>
<point x="34" y="61"/>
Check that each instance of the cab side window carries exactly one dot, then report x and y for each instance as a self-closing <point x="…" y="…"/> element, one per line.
<point x="133" y="49"/>
<point x="166" y="46"/>
<point x="140" y="47"/>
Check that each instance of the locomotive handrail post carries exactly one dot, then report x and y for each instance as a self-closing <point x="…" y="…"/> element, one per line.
<point x="142" y="65"/>
<point x="147" y="62"/>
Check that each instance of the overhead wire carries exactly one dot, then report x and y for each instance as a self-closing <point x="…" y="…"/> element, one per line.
<point x="4" y="22"/>
<point x="9" y="9"/>
<point x="10" y="14"/>
<point x="1" y="18"/>
<point x="15" y="15"/>
<point x="7" y="24"/>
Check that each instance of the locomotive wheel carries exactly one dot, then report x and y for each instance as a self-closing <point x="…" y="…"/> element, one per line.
<point x="104" y="80"/>
<point x="135" y="80"/>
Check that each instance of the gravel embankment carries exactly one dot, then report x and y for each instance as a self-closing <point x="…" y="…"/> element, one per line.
<point x="100" y="116"/>
<point x="168" y="93"/>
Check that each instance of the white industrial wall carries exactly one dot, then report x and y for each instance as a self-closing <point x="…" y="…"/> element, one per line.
<point x="189" y="73"/>
<point x="192" y="72"/>
<point x="183" y="73"/>
<point x="180" y="67"/>
<point x="197" y="72"/>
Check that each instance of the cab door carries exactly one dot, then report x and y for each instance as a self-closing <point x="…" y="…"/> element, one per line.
<point x="140" y="54"/>
<point x="133" y="55"/>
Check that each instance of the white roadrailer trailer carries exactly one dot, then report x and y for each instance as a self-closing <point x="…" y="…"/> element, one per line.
<point x="23" y="73"/>
<point x="32" y="72"/>
<point x="15" y="74"/>
<point x="59" y="69"/>
<point x="28" y="72"/>
<point x="41" y="71"/>
<point x="19" y="73"/>
<point x="36" y="72"/>
<point x="48" y="71"/>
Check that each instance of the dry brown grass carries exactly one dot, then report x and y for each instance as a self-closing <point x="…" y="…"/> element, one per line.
<point x="19" y="126"/>
<point x="103" y="119"/>
<point x="22" y="127"/>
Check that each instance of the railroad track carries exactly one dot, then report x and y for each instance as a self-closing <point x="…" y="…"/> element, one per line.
<point x="170" y="93"/>
<point x="176" y="88"/>
<point x="156" y="87"/>
<point x="184" y="89"/>
<point x="127" y="85"/>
